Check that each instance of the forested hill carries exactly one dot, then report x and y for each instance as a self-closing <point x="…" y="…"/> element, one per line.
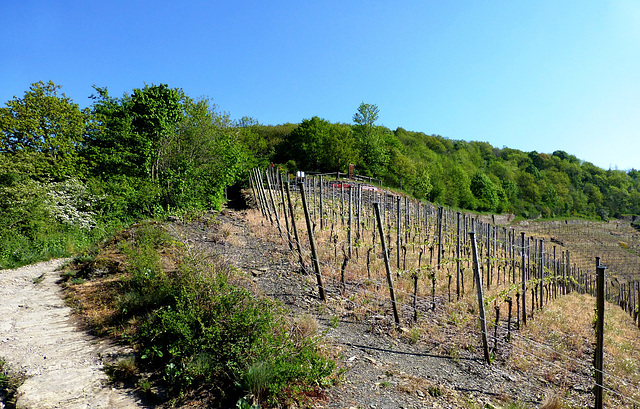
<point x="468" y="175"/>
<point x="69" y="174"/>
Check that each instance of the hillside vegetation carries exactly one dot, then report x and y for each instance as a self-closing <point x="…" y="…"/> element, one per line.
<point x="69" y="175"/>
<point x="469" y="175"/>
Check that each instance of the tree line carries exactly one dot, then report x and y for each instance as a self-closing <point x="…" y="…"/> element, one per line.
<point x="68" y="173"/>
<point x="468" y="175"/>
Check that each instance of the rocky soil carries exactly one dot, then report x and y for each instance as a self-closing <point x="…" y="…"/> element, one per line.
<point x="382" y="369"/>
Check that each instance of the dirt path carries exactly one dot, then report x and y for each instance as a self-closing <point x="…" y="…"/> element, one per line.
<point x="38" y="338"/>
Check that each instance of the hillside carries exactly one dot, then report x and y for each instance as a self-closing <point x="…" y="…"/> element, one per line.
<point x="435" y="362"/>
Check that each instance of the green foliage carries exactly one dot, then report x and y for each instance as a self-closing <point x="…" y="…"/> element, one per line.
<point x="318" y="145"/>
<point x="156" y="151"/>
<point x="149" y="286"/>
<point x="201" y="158"/>
<point x="484" y="191"/>
<point x="200" y="330"/>
<point x="41" y="219"/>
<point x="421" y="183"/>
<point x="9" y="384"/>
<point x="370" y="142"/>
<point x="47" y="126"/>
<point x="220" y="335"/>
<point x="65" y="172"/>
<point x="165" y="149"/>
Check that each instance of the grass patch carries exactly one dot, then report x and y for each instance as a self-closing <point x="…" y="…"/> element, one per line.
<point x="9" y="384"/>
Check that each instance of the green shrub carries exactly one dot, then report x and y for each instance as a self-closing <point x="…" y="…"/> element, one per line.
<point x="220" y="335"/>
<point x="148" y="287"/>
<point x="18" y="249"/>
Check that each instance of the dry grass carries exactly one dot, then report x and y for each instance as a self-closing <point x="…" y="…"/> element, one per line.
<point x="94" y="302"/>
<point x="558" y="346"/>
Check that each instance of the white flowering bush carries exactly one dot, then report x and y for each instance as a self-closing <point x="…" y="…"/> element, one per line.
<point x="70" y="203"/>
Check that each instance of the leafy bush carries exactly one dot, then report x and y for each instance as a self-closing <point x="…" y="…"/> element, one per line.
<point x="195" y="329"/>
<point x="221" y="336"/>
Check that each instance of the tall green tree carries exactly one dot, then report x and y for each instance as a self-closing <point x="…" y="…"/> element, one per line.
<point x="365" y="118"/>
<point x="160" y="148"/>
<point x="373" y="154"/>
<point x="46" y="126"/>
<point x="307" y="141"/>
<point x="485" y="191"/>
<point x="156" y="110"/>
<point x="200" y="157"/>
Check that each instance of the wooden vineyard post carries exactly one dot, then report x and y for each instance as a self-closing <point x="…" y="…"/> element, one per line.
<point x="599" y="355"/>
<point x="398" y="231"/>
<point x="638" y="297"/>
<point x="295" y="229"/>
<point x="350" y="228"/>
<point x="314" y="195"/>
<point x="284" y="212"/>
<point x="458" y="257"/>
<point x="358" y="213"/>
<point x="263" y="195"/>
<point x="513" y="257"/>
<point x="321" y="205"/>
<point x="255" y="193"/>
<point x="342" y="203"/>
<point x="555" y="274"/>
<point x="524" y="284"/>
<point x="568" y="277"/>
<point x="541" y="272"/>
<point x="273" y="203"/>
<point x="488" y="233"/>
<point x="563" y="289"/>
<point x="312" y="241"/>
<point x="333" y="202"/>
<point x="385" y="253"/>
<point x="630" y="304"/>
<point x="407" y="220"/>
<point x="440" y="214"/>
<point x="478" y="278"/>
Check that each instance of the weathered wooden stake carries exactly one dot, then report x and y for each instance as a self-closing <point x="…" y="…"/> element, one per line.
<point x="398" y="231"/>
<point x="599" y="356"/>
<point x="458" y="257"/>
<point x="312" y="241"/>
<point x="376" y="208"/>
<point x="295" y="230"/>
<point x="273" y="203"/>
<point x="541" y="247"/>
<point x="478" y="278"/>
<point x="524" y="284"/>
<point x="284" y="212"/>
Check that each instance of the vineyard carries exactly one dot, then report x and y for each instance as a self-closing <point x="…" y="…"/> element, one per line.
<point x="422" y="269"/>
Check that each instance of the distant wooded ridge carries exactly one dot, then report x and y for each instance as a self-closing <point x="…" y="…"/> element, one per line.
<point x="468" y="175"/>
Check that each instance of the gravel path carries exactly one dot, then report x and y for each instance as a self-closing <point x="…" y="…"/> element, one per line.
<point x="38" y="338"/>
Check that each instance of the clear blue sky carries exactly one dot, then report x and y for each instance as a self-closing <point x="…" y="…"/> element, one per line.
<point x="536" y="75"/>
